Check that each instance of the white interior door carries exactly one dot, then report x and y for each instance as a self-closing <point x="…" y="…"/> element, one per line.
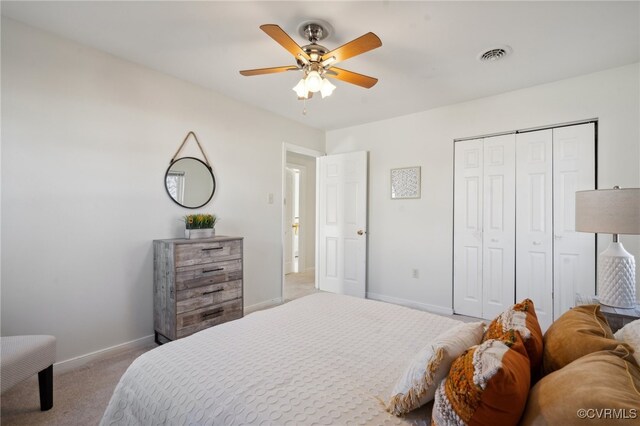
<point x="467" y="240"/>
<point x="574" y="252"/>
<point x="498" y="236"/>
<point x="342" y="223"/>
<point x="534" y="223"/>
<point x="288" y="221"/>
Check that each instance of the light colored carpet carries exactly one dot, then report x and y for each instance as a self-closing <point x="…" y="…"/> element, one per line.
<point x="80" y="396"/>
<point x="299" y="285"/>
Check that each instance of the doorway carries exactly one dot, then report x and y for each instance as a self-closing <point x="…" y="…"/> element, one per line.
<point x="298" y="222"/>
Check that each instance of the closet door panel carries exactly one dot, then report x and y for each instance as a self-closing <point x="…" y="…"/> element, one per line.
<point x="467" y="242"/>
<point x="498" y="267"/>
<point x="534" y="226"/>
<point x="574" y="252"/>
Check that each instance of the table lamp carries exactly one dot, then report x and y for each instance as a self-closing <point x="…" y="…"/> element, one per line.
<point x="612" y="211"/>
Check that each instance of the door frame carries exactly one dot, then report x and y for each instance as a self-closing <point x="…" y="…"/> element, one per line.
<point x="295" y="149"/>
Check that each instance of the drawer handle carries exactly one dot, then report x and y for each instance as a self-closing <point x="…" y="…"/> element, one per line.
<point x="216" y="313"/>
<point x="212" y="248"/>
<point x="204" y="271"/>
<point x="212" y="291"/>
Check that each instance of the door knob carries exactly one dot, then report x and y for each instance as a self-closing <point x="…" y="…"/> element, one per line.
<point x="360" y="232"/>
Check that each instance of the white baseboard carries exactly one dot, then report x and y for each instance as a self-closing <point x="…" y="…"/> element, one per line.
<point x="262" y="305"/>
<point x="79" y="361"/>
<point x="411" y="304"/>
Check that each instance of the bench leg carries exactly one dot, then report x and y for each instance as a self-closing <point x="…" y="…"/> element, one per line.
<point x="45" y="382"/>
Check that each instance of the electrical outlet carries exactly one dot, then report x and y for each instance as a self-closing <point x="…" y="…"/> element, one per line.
<point x="415" y="273"/>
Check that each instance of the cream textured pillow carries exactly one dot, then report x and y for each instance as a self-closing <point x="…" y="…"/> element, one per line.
<point x="630" y="334"/>
<point x="420" y="380"/>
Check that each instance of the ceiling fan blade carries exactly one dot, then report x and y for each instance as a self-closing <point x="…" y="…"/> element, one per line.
<point x="362" y="44"/>
<point x="272" y="70"/>
<point x="352" y="77"/>
<point x="278" y="34"/>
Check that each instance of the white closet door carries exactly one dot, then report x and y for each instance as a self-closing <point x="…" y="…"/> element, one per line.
<point x="498" y="253"/>
<point x="534" y="222"/>
<point x="467" y="241"/>
<point x="574" y="252"/>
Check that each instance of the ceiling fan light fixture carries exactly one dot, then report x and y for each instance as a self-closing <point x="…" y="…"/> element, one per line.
<point x="327" y="88"/>
<point x="313" y="81"/>
<point x="301" y="89"/>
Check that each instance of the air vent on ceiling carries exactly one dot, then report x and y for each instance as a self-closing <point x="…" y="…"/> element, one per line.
<point x="494" y="54"/>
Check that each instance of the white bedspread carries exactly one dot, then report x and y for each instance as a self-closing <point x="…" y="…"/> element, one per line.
<point x="321" y="359"/>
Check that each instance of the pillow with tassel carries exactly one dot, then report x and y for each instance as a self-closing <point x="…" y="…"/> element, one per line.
<point x="418" y="383"/>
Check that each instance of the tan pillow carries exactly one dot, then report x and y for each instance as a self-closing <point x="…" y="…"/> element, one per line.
<point x="579" y="393"/>
<point x="487" y="385"/>
<point x="578" y="332"/>
<point x="630" y="334"/>
<point x="522" y="318"/>
<point x="418" y="383"/>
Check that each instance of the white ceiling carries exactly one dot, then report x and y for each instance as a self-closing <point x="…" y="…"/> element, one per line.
<point x="428" y="57"/>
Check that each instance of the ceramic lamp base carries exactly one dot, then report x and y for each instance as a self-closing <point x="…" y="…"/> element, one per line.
<point x="617" y="277"/>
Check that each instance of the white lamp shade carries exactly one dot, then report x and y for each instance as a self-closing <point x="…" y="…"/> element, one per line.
<point x="313" y="81"/>
<point x="610" y="211"/>
<point x="301" y="89"/>
<point x="327" y="88"/>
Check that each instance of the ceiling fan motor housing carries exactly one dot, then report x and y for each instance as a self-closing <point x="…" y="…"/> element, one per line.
<point x="315" y="52"/>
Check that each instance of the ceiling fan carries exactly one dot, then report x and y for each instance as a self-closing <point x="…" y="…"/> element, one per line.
<point x="316" y="61"/>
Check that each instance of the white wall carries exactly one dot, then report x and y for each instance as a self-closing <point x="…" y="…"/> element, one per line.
<point x="308" y="219"/>
<point x="406" y="234"/>
<point x="86" y="140"/>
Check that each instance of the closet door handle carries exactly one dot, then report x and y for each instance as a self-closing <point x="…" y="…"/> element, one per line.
<point x="494" y="240"/>
<point x="537" y="243"/>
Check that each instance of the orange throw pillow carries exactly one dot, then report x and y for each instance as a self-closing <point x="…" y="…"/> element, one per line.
<point x="578" y="332"/>
<point x="522" y="318"/>
<point x="487" y="385"/>
<point x="602" y="387"/>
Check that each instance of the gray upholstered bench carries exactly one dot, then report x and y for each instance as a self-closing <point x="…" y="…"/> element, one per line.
<point x="23" y="356"/>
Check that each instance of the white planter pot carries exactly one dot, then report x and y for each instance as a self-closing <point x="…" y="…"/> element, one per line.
<point x="199" y="233"/>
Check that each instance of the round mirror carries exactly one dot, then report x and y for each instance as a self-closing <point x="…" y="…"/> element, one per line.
<point x="190" y="182"/>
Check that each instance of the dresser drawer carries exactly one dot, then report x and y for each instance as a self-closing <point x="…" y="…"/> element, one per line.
<point x="200" y="297"/>
<point x="207" y="252"/>
<point x="211" y="273"/>
<point x="190" y="322"/>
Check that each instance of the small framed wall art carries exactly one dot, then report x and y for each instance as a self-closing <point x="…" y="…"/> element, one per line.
<point x="405" y="183"/>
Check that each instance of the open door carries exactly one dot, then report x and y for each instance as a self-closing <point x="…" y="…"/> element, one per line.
<point x="288" y="221"/>
<point x="342" y="223"/>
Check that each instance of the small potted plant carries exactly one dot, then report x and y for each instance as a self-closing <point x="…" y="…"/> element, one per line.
<point x="200" y="225"/>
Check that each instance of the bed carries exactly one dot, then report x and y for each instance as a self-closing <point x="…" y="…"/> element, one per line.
<point x="322" y="359"/>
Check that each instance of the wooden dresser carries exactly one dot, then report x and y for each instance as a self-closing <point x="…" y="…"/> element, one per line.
<point x="196" y="284"/>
